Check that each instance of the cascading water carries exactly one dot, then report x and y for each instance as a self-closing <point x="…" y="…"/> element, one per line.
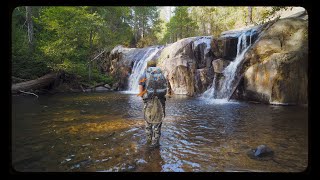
<point x="230" y="72"/>
<point x="139" y="67"/>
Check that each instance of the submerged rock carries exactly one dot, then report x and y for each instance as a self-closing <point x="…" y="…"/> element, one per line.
<point x="101" y="89"/>
<point x="84" y="112"/>
<point x="262" y="152"/>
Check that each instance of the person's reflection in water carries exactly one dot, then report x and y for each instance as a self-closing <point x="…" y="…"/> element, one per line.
<point x="154" y="161"/>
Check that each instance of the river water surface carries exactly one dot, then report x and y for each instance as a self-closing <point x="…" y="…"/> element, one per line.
<point x="105" y="132"/>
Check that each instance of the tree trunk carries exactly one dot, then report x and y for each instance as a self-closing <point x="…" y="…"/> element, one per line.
<point x="187" y="30"/>
<point x="249" y="18"/>
<point x="180" y="33"/>
<point x="88" y="58"/>
<point x="143" y="28"/>
<point x="203" y="28"/>
<point x="135" y="30"/>
<point x="39" y="83"/>
<point x="236" y="86"/>
<point x="30" y="26"/>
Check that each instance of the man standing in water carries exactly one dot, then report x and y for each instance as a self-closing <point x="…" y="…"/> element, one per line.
<point x="152" y="89"/>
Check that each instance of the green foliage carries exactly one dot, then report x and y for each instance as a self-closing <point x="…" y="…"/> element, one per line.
<point x="265" y="14"/>
<point x="29" y="69"/>
<point x="214" y="20"/>
<point x="81" y="70"/>
<point x="66" y="38"/>
<point x="180" y="26"/>
<point x="25" y="63"/>
<point x="146" y="25"/>
<point x="116" y="27"/>
<point x="67" y="33"/>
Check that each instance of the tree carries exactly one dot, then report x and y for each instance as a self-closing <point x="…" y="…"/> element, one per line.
<point x="180" y="25"/>
<point x="25" y="63"/>
<point x="68" y="37"/>
<point x="116" y="27"/>
<point x="30" y="26"/>
<point x="249" y="19"/>
<point x="145" y="20"/>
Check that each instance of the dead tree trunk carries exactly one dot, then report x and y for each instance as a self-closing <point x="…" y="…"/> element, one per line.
<point x="249" y="17"/>
<point x="236" y="86"/>
<point x="30" y="26"/>
<point x="39" y="83"/>
<point x="90" y="51"/>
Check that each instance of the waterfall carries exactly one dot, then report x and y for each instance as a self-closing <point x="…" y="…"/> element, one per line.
<point x="230" y="72"/>
<point x="139" y="67"/>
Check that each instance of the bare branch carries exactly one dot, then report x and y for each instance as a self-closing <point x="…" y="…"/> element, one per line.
<point x="96" y="57"/>
<point x="29" y="93"/>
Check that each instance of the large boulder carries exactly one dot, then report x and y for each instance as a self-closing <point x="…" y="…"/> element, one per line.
<point x="203" y="79"/>
<point x="225" y="47"/>
<point x="219" y="65"/>
<point x="181" y="81"/>
<point x="276" y="67"/>
<point x="182" y="62"/>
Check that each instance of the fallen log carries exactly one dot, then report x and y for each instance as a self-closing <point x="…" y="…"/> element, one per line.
<point x="92" y="86"/>
<point x="16" y="79"/>
<point x="235" y="87"/>
<point x="35" y="84"/>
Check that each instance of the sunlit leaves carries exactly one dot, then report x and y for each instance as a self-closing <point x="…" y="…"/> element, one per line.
<point x="68" y="29"/>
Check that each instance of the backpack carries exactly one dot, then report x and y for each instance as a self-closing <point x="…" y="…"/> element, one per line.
<point x="156" y="84"/>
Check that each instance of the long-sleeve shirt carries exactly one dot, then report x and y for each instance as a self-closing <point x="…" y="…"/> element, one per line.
<point x="141" y="82"/>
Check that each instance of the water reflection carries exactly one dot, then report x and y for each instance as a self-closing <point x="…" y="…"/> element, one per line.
<point x="105" y="132"/>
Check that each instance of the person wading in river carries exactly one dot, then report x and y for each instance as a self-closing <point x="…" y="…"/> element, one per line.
<point x="152" y="89"/>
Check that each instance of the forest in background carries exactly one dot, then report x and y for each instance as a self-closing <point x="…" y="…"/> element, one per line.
<point x="66" y="38"/>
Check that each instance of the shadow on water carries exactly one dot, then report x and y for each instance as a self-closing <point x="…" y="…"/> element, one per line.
<point x="105" y="132"/>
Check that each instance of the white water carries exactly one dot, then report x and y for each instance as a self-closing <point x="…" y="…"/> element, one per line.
<point x="217" y="101"/>
<point x="229" y="72"/>
<point x="138" y="69"/>
<point x="203" y="40"/>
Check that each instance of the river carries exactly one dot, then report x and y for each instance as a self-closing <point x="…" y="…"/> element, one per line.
<point x="105" y="132"/>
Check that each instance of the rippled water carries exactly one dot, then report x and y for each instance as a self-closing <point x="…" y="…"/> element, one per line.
<point x="105" y="132"/>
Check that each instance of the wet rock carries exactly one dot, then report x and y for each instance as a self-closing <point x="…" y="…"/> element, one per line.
<point x="203" y="79"/>
<point x="262" y="152"/>
<point x="184" y="62"/>
<point x="107" y="86"/>
<point x="115" y="86"/>
<point x="141" y="161"/>
<point x="101" y="89"/>
<point x="225" y="47"/>
<point x="84" y="112"/>
<point x="219" y="65"/>
<point x="120" y="63"/>
<point x="82" y="163"/>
